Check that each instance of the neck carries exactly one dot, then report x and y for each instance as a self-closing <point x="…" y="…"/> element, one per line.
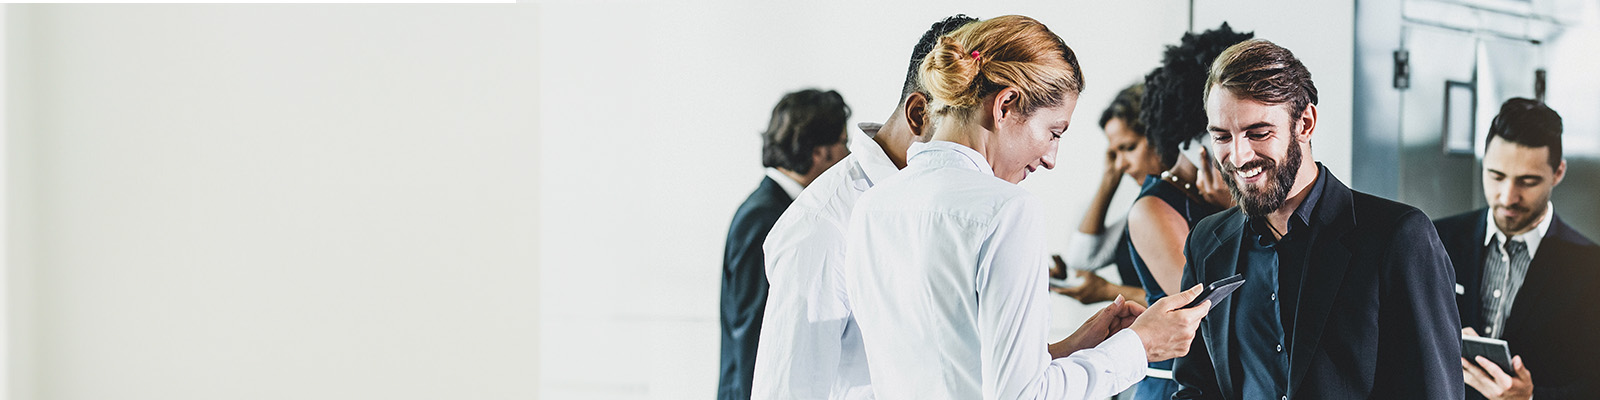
<point x="895" y="138"/>
<point x="1184" y="170"/>
<point x="804" y="180"/>
<point x="1304" y="178"/>
<point x="970" y="134"/>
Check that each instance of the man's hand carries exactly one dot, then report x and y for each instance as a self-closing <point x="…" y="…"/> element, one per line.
<point x="1208" y="181"/>
<point x="1493" y="382"/>
<point x="1109" y="320"/>
<point x="1167" y="331"/>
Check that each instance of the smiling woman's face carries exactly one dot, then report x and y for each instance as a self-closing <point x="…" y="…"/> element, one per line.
<point x="1028" y="143"/>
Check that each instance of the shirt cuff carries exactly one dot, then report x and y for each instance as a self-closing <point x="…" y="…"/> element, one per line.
<point x="1127" y="353"/>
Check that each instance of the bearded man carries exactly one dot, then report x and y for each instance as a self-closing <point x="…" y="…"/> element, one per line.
<point x="1346" y="295"/>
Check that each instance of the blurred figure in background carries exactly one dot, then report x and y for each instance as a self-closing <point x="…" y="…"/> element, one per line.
<point x="1096" y="244"/>
<point x="810" y="345"/>
<point x="1187" y="188"/>
<point x="1518" y="252"/>
<point x="805" y="136"/>
<point x="945" y="265"/>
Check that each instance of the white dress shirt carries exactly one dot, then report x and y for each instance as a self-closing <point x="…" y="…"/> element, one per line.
<point x="810" y="347"/>
<point x="945" y="267"/>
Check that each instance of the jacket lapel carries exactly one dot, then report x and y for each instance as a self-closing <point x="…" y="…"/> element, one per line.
<point x="1470" y="276"/>
<point x="1545" y="271"/>
<point x="1328" y="259"/>
<point x="1222" y="262"/>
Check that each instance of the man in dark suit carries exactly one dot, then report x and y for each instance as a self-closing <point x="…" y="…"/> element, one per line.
<point x="1527" y="278"/>
<point x="805" y="136"/>
<point x="1346" y="295"/>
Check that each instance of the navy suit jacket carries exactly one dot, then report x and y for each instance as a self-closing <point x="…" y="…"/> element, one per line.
<point x="1375" y="317"/>
<point x="1553" y="321"/>
<point x="744" y="286"/>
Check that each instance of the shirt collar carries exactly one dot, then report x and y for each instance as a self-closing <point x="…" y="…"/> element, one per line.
<point x="872" y="158"/>
<point x="789" y="185"/>
<point x="1303" y="212"/>
<point x="934" y="149"/>
<point x="1532" y="237"/>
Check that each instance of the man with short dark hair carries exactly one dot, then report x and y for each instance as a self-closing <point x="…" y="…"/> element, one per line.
<point x="805" y="136"/>
<point x="1346" y="295"/>
<point x="810" y="345"/>
<point x="1517" y="252"/>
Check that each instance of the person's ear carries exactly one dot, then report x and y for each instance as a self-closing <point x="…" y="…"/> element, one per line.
<point x="915" y="111"/>
<point x="1005" y="103"/>
<point x="1561" y="172"/>
<point x="1308" y="122"/>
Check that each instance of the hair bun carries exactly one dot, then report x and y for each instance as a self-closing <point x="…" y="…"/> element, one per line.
<point x="949" y="73"/>
<point x="984" y="57"/>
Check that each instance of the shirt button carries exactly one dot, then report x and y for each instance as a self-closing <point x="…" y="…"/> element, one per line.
<point x="1488" y="330"/>
<point x="1274" y="296"/>
<point x="1279" y="348"/>
<point x="1283" y="398"/>
<point x="1497" y="293"/>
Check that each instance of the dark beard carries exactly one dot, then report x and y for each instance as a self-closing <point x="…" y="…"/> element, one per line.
<point x="1267" y="200"/>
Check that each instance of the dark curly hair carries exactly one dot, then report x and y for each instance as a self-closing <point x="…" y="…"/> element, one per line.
<point x="1126" y="108"/>
<point x="1173" y="111"/>
<point x="924" y="46"/>
<point x="801" y="122"/>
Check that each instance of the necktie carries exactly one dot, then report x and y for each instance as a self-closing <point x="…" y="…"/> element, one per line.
<point x="1503" y="273"/>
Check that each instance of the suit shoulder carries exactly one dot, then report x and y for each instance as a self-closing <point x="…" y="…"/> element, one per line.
<point x="1384" y="212"/>
<point x="762" y="208"/>
<point x="1462" y="221"/>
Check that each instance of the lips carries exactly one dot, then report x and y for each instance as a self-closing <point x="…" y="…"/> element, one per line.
<point x="1249" y="173"/>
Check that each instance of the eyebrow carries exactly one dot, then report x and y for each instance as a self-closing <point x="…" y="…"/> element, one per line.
<point x="1262" y="124"/>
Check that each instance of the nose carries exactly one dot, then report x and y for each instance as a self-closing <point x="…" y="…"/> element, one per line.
<point x="1242" y="152"/>
<point x="1509" y="195"/>
<point x="1049" y="159"/>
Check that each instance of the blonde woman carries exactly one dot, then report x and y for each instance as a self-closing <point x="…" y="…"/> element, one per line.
<point x="946" y="260"/>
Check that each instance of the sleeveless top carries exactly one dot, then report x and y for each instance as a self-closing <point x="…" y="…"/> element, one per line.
<point x="1192" y="212"/>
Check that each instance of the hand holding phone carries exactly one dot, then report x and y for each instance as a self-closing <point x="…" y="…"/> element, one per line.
<point x="1217" y="291"/>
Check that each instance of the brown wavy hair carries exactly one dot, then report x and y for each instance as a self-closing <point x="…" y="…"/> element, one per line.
<point x="1259" y="70"/>
<point x="985" y="57"/>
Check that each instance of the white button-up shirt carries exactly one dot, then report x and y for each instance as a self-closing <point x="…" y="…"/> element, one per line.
<point x="946" y="271"/>
<point x="810" y="347"/>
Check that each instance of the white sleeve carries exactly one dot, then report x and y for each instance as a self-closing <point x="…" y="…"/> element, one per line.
<point x="1014" y="318"/>
<point x="805" y="315"/>
<point x="1090" y="251"/>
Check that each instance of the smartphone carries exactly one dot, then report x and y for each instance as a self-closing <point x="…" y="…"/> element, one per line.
<point x="1071" y="281"/>
<point x="1217" y="291"/>
<point x="1191" y="150"/>
<point x="1496" y="350"/>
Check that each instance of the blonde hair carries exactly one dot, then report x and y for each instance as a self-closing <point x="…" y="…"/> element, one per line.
<point x="985" y="57"/>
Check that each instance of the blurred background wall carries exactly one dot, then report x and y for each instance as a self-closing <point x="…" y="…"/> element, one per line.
<point x="271" y="201"/>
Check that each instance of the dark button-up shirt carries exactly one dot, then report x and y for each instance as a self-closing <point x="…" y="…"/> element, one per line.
<point x="1265" y="313"/>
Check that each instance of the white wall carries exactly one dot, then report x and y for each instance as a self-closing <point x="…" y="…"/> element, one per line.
<point x="651" y="119"/>
<point x="272" y="202"/>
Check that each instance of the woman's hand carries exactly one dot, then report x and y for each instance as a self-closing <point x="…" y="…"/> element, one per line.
<point x="1208" y="181"/>
<point x="1093" y="290"/>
